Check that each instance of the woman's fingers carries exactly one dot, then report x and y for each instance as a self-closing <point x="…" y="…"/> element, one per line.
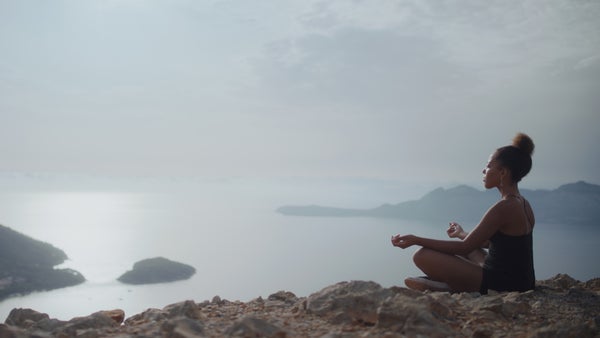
<point x="453" y="229"/>
<point x="397" y="240"/>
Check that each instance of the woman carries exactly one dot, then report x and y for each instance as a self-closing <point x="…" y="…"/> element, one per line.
<point x="506" y="229"/>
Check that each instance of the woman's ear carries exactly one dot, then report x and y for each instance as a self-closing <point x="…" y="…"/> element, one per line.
<point x="503" y="172"/>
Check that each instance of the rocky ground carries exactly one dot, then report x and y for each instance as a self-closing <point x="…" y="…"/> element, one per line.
<point x="559" y="307"/>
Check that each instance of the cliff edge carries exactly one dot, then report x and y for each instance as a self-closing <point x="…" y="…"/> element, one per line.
<point x="559" y="307"/>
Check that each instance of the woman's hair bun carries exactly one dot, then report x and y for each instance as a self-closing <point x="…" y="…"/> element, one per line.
<point x="524" y="142"/>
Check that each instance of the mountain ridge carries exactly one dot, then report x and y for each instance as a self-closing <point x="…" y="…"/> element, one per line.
<point x="572" y="203"/>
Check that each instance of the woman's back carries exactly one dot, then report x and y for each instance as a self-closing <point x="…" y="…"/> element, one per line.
<point x="518" y="218"/>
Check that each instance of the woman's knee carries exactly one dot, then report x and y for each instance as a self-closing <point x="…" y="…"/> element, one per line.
<point x="422" y="256"/>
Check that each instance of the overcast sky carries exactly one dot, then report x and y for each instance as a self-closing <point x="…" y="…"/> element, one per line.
<point x="406" y="90"/>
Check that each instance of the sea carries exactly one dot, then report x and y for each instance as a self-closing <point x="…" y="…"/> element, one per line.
<point x="229" y="230"/>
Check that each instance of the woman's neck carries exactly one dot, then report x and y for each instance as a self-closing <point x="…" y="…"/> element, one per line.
<point x="508" y="191"/>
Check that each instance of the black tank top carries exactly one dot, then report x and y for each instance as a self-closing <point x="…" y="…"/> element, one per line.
<point x="509" y="263"/>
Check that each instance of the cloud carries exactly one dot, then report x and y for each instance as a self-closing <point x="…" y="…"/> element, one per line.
<point x="477" y="72"/>
<point x="407" y="54"/>
<point x="325" y="16"/>
<point x="358" y="70"/>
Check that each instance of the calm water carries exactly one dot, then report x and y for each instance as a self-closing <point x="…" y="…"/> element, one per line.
<point x="240" y="247"/>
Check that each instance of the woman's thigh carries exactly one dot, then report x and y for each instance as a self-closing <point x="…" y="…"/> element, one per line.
<point x="460" y="274"/>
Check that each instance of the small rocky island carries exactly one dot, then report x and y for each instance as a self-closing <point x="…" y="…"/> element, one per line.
<point x="27" y="265"/>
<point x="157" y="270"/>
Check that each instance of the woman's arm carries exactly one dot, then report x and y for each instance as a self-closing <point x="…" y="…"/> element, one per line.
<point x="455" y="230"/>
<point x="449" y="247"/>
<point x="490" y="223"/>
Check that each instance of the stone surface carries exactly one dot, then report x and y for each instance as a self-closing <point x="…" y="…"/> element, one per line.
<point x="355" y="301"/>
<point x="559" y="307"/>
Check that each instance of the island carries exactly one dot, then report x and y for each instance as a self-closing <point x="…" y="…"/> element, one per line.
<point x="27" y="265"/>
<point x="157" y="270"/>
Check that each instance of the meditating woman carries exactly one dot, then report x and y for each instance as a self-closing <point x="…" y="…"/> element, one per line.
<point x="505" y="229"/>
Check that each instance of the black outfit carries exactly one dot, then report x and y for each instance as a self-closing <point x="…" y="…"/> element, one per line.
<point x="509" y="264"/>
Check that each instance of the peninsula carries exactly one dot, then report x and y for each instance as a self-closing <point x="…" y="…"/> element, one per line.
<point x="27" y="265"/>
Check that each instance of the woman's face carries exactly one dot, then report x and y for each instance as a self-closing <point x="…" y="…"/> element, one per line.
<point x="492" y="173"/>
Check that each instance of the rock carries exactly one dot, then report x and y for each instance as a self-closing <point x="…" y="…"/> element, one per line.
<point x="559" y="307"/>
<point x="182" y="327"/>
<point x="355" y="301"/>
<point x="409" y="315"/>
<point x="187" y="309"/>
<point x="25" y="318"/>
<point x="36" y="321"/>
<point x="148" y="316"/>
<point x="92" y="325"/>
<point x="560" y="281"/>
<point x="254" y="327"/>
<point x="117" y="315"/>
<point x="7" y="331"/>
<point x="566" y="329"/>
<point x="593" y="284"/>
<point x="216" y="300"/>
<point x="157" y="270"/>
<point x="284" y="296"/>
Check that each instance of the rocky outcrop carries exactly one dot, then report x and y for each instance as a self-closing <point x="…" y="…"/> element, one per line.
<point x="559" y="307"/>
<point x="157" y="270"/>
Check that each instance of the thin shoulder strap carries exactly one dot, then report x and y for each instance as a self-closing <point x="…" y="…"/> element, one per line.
<point x="525" y="203"/>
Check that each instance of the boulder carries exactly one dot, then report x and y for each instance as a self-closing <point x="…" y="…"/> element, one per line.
<point x="182" y="327"/>
<point x="355" y="301"/>
<point x="34" y="321"/>
<point x="25" y="317"/>
<point x="407" y="315"/>
<point x="254" y="327"/>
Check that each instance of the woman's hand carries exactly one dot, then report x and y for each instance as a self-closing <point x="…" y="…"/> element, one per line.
<point x="456" y="231"/>
<point x="404" y="241"/>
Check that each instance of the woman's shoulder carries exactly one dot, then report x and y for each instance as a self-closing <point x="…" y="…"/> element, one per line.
<point x="498" y="212"/>
<point x="506" y="207"/>
<point x="503" y="204"/>
<point x="512" y="201"/>
<point x="512" y="212"/>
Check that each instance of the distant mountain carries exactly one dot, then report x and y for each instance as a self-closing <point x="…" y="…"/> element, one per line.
<point x="27" y="265"/>
<point x="574" y="203"/>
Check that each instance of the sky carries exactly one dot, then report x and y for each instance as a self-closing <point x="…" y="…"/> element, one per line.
<point x="408" y="90"/>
